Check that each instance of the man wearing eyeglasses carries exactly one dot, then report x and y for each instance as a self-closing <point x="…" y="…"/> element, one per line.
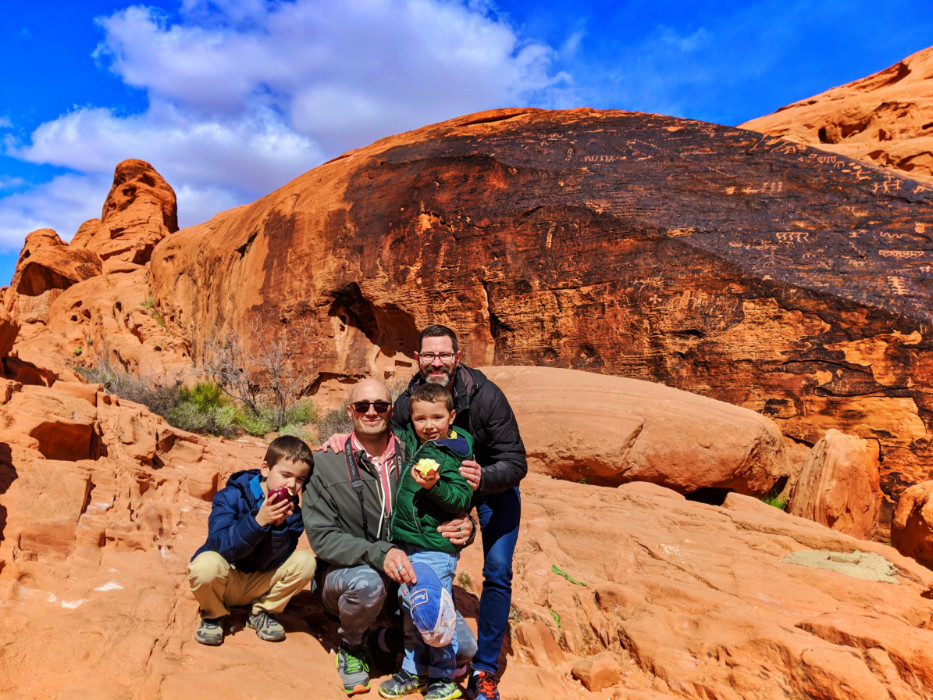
<point x="346" y="507"/>
<point x="494" y="474"/>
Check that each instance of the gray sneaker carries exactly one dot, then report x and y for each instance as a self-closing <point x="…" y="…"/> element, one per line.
<point x="211" y="631"/>
<point x="267" y="627"/>
<point x="402" y="683"/>
<point x="353" y="668"/>
<point x="440" y="689"/>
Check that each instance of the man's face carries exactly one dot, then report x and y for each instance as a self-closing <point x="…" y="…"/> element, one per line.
<point x="437" y="360"/>
<point x="370" y="396"/>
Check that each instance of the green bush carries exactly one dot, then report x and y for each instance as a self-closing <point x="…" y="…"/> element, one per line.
<point x="335" y="421"/>
<point x="206" y="408"/>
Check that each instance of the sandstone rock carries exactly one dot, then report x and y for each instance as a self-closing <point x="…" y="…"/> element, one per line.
<point x="139" y="211"/>
<point x="626" y="244"/>
<point x="8" y="331"/>
<point x="45" y="268"/>
<point x="631" y="592"/>
<point x="658" y="589"/>
<point x="609" y="430"/>
<point x="883" y="119"/>
<point x="598" y="672"/>
<point x="839" y="485"/>
<point x="912" y="526"/>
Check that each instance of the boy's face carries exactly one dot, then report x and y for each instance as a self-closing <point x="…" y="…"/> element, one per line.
<point x="287" y="473"/>
<point x="432" y="420"/>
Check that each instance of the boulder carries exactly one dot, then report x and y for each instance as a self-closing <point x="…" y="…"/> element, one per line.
<point x="45" y="268"/>
<point x="623" y="244"/>
<point x="912" y="526"/>
<point x="139" y="211"/>
<point x="604" y="430"/>
<point x="883" y="119"/>
<point x="839" y="485"/>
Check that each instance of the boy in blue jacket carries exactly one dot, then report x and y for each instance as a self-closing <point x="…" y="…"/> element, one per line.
<point x="250" y="557"/>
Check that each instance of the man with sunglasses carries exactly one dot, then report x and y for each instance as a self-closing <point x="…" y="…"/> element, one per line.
<point x="346" y="506"/>
<point x="498" y="467"/>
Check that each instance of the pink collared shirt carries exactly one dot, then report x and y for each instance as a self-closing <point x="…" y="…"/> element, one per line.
<point x="383" y="464"/>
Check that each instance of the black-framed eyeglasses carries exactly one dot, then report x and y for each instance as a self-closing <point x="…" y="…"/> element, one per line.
<point x="431" y="356"/>
<point x="362" y="407"/>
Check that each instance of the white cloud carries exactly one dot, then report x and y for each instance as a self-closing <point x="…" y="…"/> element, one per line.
<point x="245" y="95"/>
<point x="63" y="204"/>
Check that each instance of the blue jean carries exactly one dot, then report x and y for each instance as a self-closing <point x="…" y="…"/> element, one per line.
<point x="499" y="518"/>
<point x="421" y="659"/>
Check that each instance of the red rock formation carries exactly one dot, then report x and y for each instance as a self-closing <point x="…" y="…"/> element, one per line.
<point x="139" y="211"/>
<point x="912" y="526"/>
<point x="839" y="485"/>
<point x="745" y="268"/>
<point x="89" y="300"/>
<point x="45" y="268"/>
<point x="885" y="119"/>
<point x="607" y="431"/>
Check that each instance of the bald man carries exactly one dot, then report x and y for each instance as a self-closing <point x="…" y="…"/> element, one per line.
<point x="346" y="506"/>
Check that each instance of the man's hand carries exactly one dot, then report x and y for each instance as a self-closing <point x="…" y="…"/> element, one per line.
<point x="274" y="513"/>
<point x="397" y="566"/>
<point x="334" y="443"/>
<point x="458" y="530"/>
<point x="471" y="471"/>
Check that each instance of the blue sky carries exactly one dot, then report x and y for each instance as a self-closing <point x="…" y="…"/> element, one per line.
<point x="231" y="99"/>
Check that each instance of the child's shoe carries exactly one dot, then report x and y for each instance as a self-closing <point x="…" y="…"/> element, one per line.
<point x="210" y="631"/>
<point x="267" y="627"/>
<point x="353" y="668"/>
<point x="441" y="689"/>
<point x="402" y="683"/>
<point x="483" y="686"/>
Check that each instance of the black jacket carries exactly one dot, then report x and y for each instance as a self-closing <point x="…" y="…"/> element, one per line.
<point x="484" y="412"/>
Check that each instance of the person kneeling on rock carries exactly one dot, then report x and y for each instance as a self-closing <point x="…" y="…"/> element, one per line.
<point x="250" y="557"/>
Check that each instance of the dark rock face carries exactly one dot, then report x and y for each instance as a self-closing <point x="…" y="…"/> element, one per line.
<point x="734" y="265"/>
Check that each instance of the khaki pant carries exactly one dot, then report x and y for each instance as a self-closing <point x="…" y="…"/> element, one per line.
<point x="217" y="586"/>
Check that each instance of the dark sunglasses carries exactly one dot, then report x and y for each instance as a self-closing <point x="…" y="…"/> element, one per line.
<point x="363" y="406"/>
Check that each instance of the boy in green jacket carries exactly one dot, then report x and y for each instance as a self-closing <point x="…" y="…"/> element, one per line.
<point x="430" y="491"/>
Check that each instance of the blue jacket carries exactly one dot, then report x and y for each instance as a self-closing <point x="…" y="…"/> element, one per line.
<point x="232" y="530"/>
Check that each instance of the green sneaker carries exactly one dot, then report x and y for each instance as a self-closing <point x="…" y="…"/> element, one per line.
<point x="353" y="668"/>
<point x="211" y="631"/>
<point x="402" y="683"/>
<point x="267" y="627"/>
<point x="440" y="689"/>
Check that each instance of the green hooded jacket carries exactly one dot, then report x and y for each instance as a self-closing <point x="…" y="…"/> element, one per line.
<point x="418" y="512"/>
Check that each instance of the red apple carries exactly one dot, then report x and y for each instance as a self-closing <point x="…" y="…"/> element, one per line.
<point x="279" y="494"/>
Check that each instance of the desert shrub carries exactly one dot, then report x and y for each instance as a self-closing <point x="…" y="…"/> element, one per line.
<point x="335" y="421"/>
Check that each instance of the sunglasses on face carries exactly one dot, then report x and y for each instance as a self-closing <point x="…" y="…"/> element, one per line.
<point x="363" y="406"/>
<point x="431" y="356"/>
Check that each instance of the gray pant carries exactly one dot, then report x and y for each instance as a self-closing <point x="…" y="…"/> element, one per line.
<point x="357" y="596"/>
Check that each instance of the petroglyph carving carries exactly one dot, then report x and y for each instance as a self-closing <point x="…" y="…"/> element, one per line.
<point x="898" y="285"/>
<point x="900" y="254"/>
<point x="773" y="187"/>
<point x="888" y="185"/>
<point x="792" y="236"/>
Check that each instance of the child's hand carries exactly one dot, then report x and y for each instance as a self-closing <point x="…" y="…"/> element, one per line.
<point x="422" y="481"/>
<point x="274" y="513"/>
